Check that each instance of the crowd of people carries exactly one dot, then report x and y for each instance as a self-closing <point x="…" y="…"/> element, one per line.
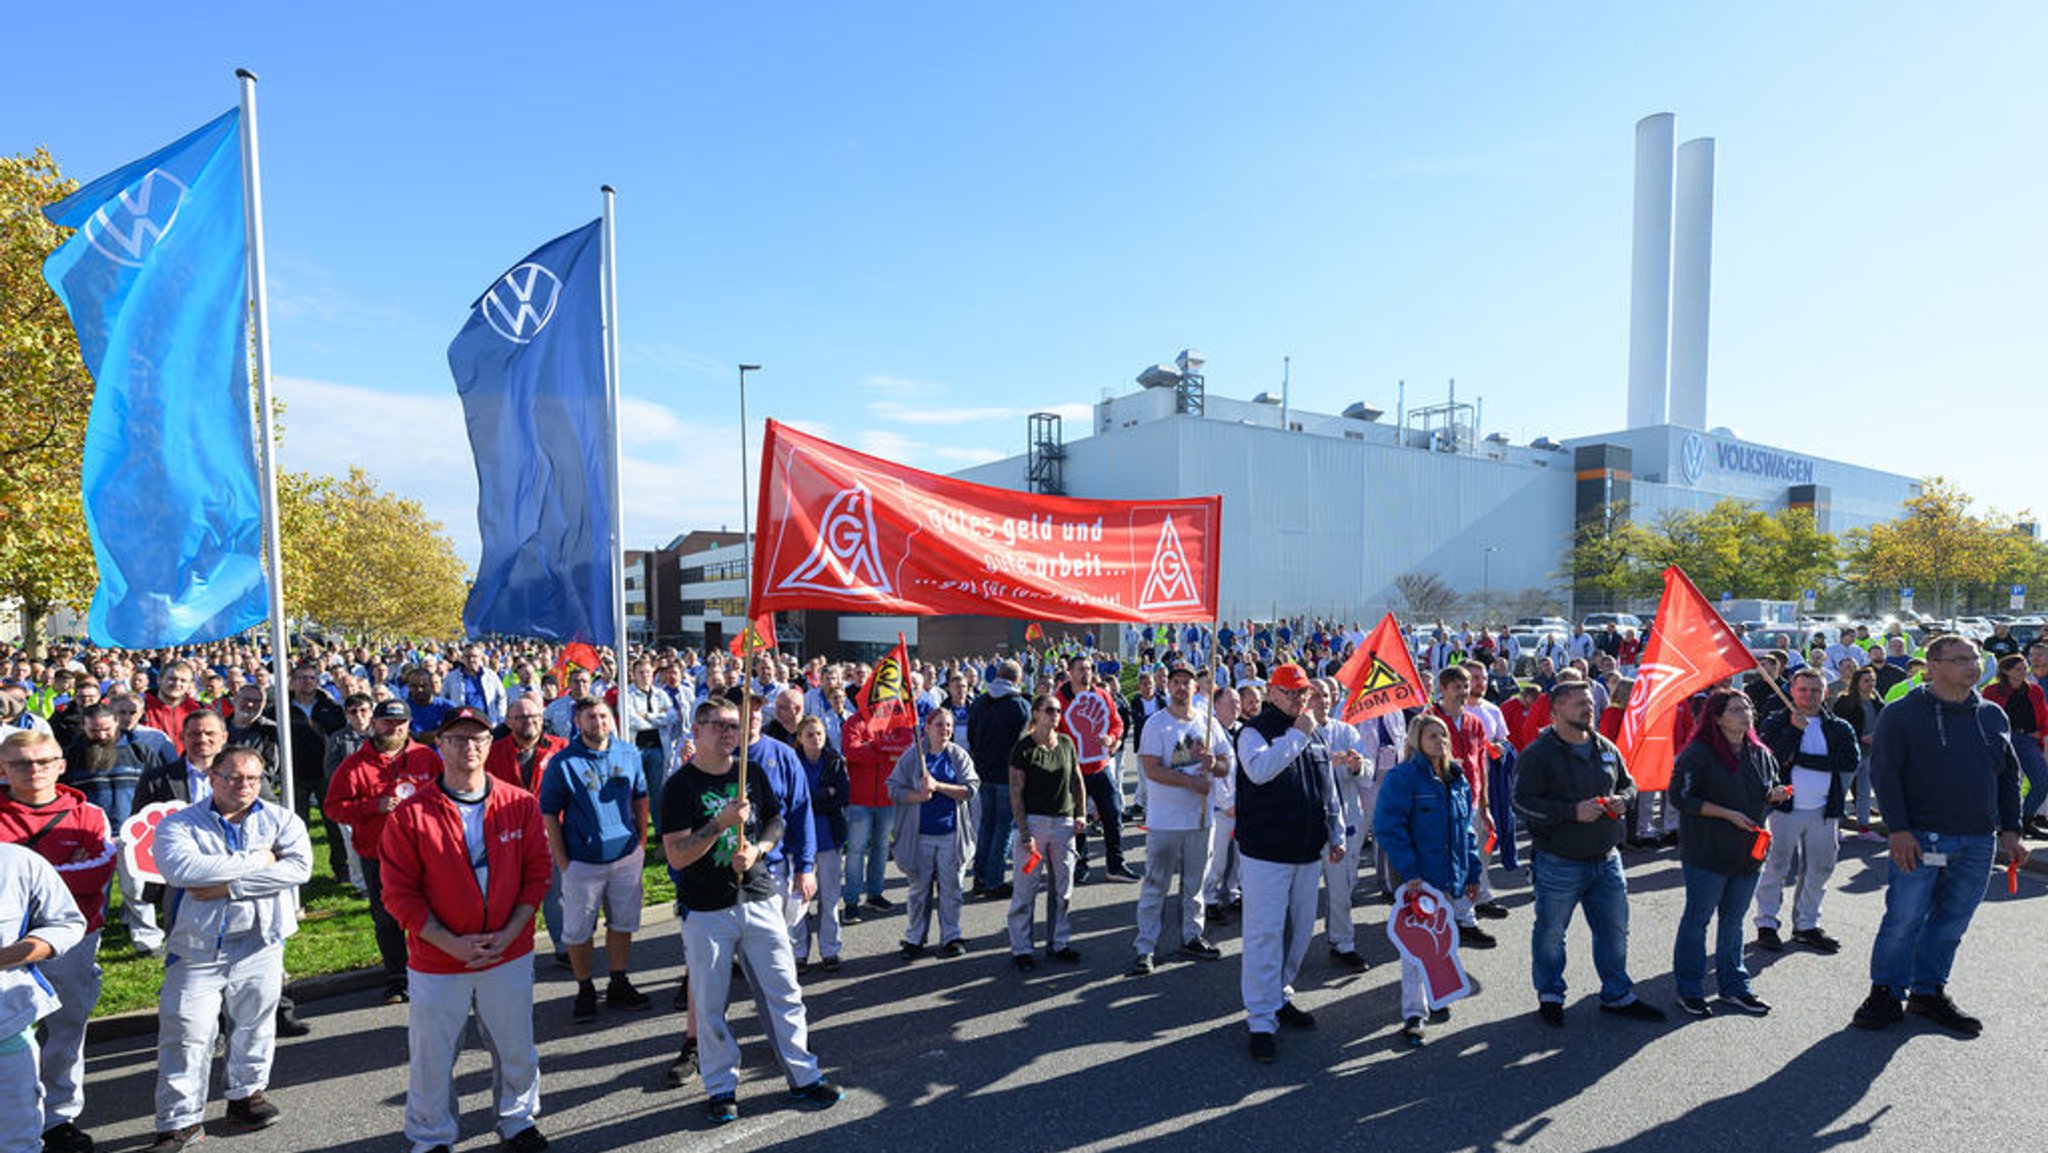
<point x="474" y="793"/>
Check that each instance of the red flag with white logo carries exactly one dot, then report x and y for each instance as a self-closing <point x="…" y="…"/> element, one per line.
<point x="1690" y="648"/>
<point x="839" y="529"/>
<point x="1380" y="677"/>
<point x="756" y="637"/>
<point x="885" y="698"/>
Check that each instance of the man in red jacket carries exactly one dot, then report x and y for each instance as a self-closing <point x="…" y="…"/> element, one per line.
<point x="468" y="834"/>
<point x="388" y="769"/>
<point x="166" y="709"/>
<point x="59" y="824"/>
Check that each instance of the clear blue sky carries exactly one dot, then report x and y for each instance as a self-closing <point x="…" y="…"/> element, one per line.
<point x="928" y="219"/>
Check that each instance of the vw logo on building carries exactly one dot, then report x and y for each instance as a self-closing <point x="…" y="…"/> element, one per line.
<point x="522" y="303"/>
<point x="1692" y="457"/>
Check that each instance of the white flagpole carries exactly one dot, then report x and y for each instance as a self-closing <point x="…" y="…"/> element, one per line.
<point x="747" y="568"/>
<point x="622" y="668"/>
<point x="280" y="657"/>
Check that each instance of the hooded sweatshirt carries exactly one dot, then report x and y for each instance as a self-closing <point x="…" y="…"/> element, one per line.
<point x="1945" y="766"/>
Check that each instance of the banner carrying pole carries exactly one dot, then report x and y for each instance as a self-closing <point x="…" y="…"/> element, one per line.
<point x="747" y="562"/>
<point x="622" y="674"/>
<point x="266" y="435"/>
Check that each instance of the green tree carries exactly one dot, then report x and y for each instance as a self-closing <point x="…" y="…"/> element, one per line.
<point x="365" y="562"/>
<point x="45" y="557"/>
<point x="1937" y="547"/>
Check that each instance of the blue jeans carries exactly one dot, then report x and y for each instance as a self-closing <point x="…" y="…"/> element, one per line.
<point x="655" y="769"/>
<point x="1926" y="912"/>
<point x="1561" y="885"/>
<point x="115" y="798"/>
<point x="1724" y="899"/>
<point x="992" y="836"/>
<point x="867" y="849"/>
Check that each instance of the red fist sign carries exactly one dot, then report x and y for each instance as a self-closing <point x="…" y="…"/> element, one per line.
<point x="138" y="839"/>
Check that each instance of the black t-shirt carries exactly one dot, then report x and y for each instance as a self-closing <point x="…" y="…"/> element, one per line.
<point x="690" y="799"/>
<point x="1049" y="775"/>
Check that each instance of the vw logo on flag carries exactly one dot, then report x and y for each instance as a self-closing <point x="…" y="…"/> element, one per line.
<point x="522" y="303"/>
<point x="126" y="229"/>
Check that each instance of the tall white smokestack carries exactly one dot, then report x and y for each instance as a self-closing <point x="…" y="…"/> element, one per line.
<point x="1692" y="277"/>
<point x="1649" y="306"/>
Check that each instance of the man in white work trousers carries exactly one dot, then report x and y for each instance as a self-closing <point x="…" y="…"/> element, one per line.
<point x="232" y="863"/>
<point x="38" y="921"/>
<point x="1288" y="821"/>
<point x="468" y="835"/>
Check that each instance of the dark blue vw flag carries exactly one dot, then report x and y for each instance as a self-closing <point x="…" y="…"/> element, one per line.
<point x="529" y="366"/>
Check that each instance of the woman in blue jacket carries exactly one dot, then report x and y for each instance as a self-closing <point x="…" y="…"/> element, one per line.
<point x="1423" y="821"/>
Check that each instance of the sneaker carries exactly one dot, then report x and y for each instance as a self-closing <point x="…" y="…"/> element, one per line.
<point x="1123" y="872"/>
<point x="1142" y="967"/>
<point x="954" y="948"/>
<point x="288" y="1023"/>
<point x="1294" y="1017"/>
<point x="395" y="993"/>
<point x="910" y="952"/>
<point x="1878" y="1010"/>
<point x="829" y="964"/>
<point x="1695" y="1006"/>
<point x="585" y="1008"/>
<point x="1134" y="814"/>
<point x="527" y="1140"/>
<point x="1023" y="962"/>
<point x="1636" y="1010"/>
<point x="1002" y="892"/>
<point x="685" y="1065"/>
<point x="849" y="914"/>
<point x="1411" y="1032"/>
<point x="1348" y="960"/>
<point x="1067" y="953"/>
<point x="1937" y="1008"/>
<point x="1474" y="937"/>
<point x="620" y="994"/>
<point x="253" y="1112"/>
<point x="881" y="903"/>
<point x="1081" y="873"/>
<point x="1491" y="910"/>
<point x="1439" y="1016"/>
<point x="562" y="961"/>
<point x="1769" y="941"/>
<point x="1264" y="1049"/>
<point x="1748" y="1003"/>
<point x="1550" y="1013"/>
<point x="1216" y="914"/>
<point x="722" y="1109"/>
<point x="1201" y="950"/>
<point x="821" y="1093"/>
<point x="177" y="1139"/>
<point x="1817" y="940"/>
<point x="64" y="1137"/>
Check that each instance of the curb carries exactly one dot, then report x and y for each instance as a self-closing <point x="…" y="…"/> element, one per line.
<point x="142" y="1022"/>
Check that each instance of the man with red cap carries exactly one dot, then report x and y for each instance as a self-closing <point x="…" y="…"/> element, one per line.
<point x="1289" y="820"/>
<point x="465" y="836"/>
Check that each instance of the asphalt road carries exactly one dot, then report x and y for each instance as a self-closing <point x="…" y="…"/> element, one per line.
<point x="936" y="1053"/>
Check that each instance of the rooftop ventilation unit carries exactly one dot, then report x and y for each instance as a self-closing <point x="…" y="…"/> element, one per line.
<point x="1266" y="398"/>
<point x="1363" y="411"/>
<point x="1160" y="376"/>
<point x="1546" y="444"/>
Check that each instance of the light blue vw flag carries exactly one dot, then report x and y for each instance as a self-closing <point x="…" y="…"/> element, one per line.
<point x="155" y="279"/>
<point x="529" y="365"/>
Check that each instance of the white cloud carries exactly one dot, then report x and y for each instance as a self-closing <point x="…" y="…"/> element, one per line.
<point x="900" y="386"/>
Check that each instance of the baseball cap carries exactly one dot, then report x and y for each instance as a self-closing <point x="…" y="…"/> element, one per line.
<point x="391" y="710"/>
<point x="1289" y="676"/>
<point x="1179" y="669"/>
<point x="464" y="716"/>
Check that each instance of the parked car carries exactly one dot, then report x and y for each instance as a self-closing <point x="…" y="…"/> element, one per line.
<point x="1597" y="621"/>
<point x="1544" y="625"/>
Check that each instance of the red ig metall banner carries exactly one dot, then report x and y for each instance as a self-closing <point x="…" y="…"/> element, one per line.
<point x="839" y="529"/>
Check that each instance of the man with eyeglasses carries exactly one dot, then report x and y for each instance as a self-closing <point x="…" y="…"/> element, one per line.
<point x="466" y="863"/>
<point x="1948" y="783"/>
<point x="58" y="824"/>
<point x="719" y="844"/>
<point x="232" y="862"/>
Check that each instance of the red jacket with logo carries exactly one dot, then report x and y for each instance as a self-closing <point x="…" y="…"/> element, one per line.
<point x="361" y="782"/>
<point x="72" y="834"/>
<point x="503" y="761"/>
<point x="427" y="871"/>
